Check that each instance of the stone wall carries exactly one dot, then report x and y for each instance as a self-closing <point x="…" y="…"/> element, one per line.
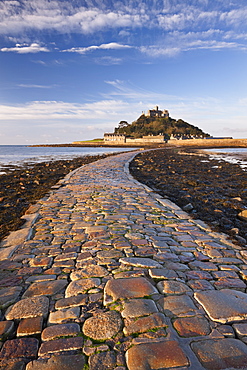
<point x="212" y="143"/>
<point x="147" y="139"/>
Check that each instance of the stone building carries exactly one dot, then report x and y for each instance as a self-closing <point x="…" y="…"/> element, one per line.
<point x="114" y="137"/>
<point x="157" y="113"/>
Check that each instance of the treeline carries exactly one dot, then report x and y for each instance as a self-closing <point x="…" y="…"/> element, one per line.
<point x="155" y="126"/>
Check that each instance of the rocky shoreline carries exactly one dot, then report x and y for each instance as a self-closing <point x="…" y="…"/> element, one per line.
<point x="22" y="186"/>
<point x="213" y="191"/>
<point x="210" y="190"/>
<point x="112" y="276"/>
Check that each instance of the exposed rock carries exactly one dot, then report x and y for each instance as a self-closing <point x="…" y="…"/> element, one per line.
<point x="221" y="354"/>
<point x="61" y="362"/>
<point x="243" y="215"/>
<point x="103" y="361"/>
<point x="103" y="326"/>
<point x="225" y="305"/>
<point x="163" y="355"/>
<point x="29" y="307"/>
<point x="127" y="288"/>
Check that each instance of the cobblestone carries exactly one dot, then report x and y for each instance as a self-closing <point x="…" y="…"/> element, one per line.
<point x="115" y="277"/>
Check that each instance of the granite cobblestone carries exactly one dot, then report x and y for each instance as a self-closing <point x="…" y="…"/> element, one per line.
<point x="113" y="276"/>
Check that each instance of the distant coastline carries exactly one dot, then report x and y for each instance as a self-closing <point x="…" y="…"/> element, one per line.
<point x="193" y="143"/>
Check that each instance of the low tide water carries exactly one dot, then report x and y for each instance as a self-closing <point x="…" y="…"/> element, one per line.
<point x="12" y="156"/>
<point x="232" y="155"/>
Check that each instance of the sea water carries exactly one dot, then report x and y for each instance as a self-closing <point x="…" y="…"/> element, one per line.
<point x="12" y="156"/>
<point x="232" y="155"/>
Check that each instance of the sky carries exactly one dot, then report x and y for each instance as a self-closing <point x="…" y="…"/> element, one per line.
<point x="71" y="70"/>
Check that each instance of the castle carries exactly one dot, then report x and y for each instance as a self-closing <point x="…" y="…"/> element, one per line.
<point x="113" y="138"/>
<point x="157" y="113"/>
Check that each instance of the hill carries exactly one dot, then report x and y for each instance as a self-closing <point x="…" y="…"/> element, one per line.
<point x="166" y="126"/>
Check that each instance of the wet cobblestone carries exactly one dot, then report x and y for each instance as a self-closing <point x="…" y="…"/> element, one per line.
<point x="112" y="276"/>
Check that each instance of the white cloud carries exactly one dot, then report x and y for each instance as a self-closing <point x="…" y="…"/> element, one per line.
<point x="109" y="46"/>
<point x="31" y="86"/>
<point x="52" y="110"/>
<point x="177" y="41"/>
<point x="216" y="21"/>
<point x="124" y="101"/>
<point x="141" y="97"/>
<point x="235" y="17"/>
<point x="213" y="115"/>
<point x="65" y="16"/>
<point x="107" y="61"/>
<point x="158" y="51"/>
<point x="25" y="49"/>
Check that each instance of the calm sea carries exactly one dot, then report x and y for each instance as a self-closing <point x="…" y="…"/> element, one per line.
<point x="232" y="155"/>
<point x="19" y="155"/>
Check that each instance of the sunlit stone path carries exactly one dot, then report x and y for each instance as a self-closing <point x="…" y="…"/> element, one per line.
<point x="106" y="274"/>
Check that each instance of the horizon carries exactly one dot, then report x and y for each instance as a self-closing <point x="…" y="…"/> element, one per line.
<point x="72" y="70"/>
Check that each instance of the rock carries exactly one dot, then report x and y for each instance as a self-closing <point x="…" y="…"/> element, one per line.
<point x="6" y="253"/>
<point x="30" y="326"/>
<point x="6" y="329"/>
<point x="162" y="355"/>
<point x="29" y="307"/>
<point x="103" y="361"/>
<point x="62" y="330"/>
<point x="63" y="316"/>
<point x="9" y="295"/>
<point x="181" y="305"/>
<point x="225" y="283"/>
<point x="61" y="345"/>
<point x="140" y="262"/>
<point x="145" y="324"/>
<point x="8" y="364"/>
<point x="219" y="354"/>
<point x="169" y="287"/>
<point x="103" y="326"/>
<point x="243" y="215"/>
<point x="223" y="306"/>
<point x="192" y="326"/>
<point x="198" y="275"/>
<point x="139" y="307"/>
<point x="74" y="301"/>
<point x="241" y="330"/>
<point x="240" y="239"/>
<point x="200" y="285"/>
<point x="81" y="286"/>
<point x="43" y="262"/>
<point x="61" y="362"/>
<point x="45" y="288"/>
<point x="26" y="348"/>
<point x="162" y="273"/>
<point x="226" y="330"/>
<point x="188" y="207"/>
<point x="89" y="271"/>
<point x="136" y="287"/>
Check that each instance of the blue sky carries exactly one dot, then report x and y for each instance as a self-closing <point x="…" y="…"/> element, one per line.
<point x="72" y="70"/>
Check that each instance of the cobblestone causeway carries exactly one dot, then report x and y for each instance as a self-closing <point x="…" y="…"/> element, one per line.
<point x="106" y="274"/>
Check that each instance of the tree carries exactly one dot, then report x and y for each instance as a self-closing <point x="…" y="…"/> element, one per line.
<point x="155" y="126"/>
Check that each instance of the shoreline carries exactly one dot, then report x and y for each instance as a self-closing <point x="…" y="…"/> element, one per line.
<point x="26" y="185"/>
<point x="193" y="143"/>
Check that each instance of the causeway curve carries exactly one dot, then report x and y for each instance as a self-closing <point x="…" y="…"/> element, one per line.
<point x="107" y="274"/>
